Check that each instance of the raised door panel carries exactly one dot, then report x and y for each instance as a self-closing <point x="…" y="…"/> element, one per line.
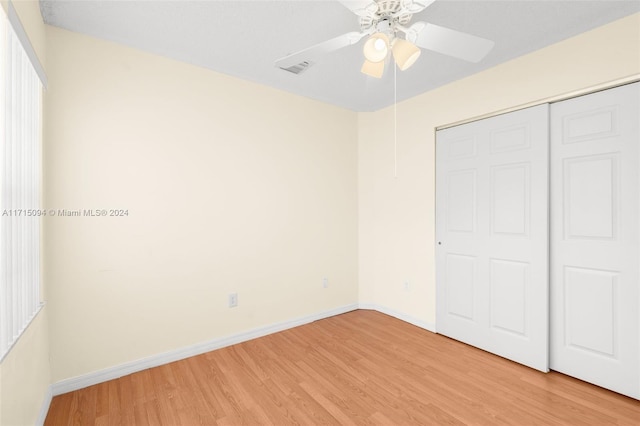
<point x="590" y="196"/>
<point x="461" y="197"/>
<point x="509" y="296"/>
<point x="460" y="278"/>
<point x="511" y="199"/>
<point x="591" y="308"/>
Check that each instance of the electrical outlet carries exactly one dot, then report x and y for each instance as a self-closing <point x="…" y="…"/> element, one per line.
<point x="325" y="282"/>
<point x="406" y="286"/>
<point x="233" y="300"/>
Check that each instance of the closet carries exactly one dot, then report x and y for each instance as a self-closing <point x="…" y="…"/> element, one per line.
<point x="538" y="235"/>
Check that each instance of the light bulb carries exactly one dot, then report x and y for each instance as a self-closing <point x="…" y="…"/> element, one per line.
<point x="376" y="47"/>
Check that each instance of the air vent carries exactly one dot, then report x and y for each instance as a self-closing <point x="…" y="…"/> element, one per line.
<point x="298" y="68"/>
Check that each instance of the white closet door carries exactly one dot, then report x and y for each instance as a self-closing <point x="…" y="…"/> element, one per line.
<point x="594" y="238"/>
<point x="492" y="235"/>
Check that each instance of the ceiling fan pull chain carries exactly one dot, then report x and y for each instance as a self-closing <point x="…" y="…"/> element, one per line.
<point x="395" y="121"/>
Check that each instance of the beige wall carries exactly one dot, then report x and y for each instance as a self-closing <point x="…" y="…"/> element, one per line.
<point x="396" y="215"/>
<point x="25" y="375"/>
<point x="230" y="187"/>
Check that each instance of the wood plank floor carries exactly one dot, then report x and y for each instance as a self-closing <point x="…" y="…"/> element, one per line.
<point x="362" y="368"/>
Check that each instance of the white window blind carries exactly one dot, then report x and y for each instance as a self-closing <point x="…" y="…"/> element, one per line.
<point x="20" y="181"/>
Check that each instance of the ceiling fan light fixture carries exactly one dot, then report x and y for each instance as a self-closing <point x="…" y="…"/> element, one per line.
<point x="373" y="69"/>
<point x="405" y="53"/>
<point x="376" y="47"/>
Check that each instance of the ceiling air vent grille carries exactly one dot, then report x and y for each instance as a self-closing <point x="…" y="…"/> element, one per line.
<point x="298" y="68"/>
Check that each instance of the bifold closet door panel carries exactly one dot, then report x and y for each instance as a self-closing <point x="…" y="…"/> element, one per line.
<point x="492" y="235"/>
<point x="595" y="188"/>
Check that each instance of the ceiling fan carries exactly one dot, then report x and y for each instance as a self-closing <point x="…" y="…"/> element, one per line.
<point x="385" y="22"/>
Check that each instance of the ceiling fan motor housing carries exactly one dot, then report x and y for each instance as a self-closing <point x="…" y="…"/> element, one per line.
<point x="384" y="25"/>
<point x="388" y="14"/>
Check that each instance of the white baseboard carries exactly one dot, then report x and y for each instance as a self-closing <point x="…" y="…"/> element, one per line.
<point x="45" y="406"/>
<point x="406" y="318"/>
<point x="75" y="383"/>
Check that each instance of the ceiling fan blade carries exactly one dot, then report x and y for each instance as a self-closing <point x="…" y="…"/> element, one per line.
<point x="311" y="54"/>
<point x="361" y="7"/>
<point x="416" y="6"/>
<point x="449" y="42"/>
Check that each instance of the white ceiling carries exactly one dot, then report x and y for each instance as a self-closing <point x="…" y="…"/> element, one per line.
<point x="243" y="38"/>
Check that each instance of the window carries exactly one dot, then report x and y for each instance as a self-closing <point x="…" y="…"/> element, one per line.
<point x="21" y="84"/>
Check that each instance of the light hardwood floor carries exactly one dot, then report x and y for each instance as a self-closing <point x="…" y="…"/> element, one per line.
<point x="362" y="367"/>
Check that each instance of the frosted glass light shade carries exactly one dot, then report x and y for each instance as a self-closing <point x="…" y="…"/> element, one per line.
<point x="376" y="47"/>
<point x="405" y="53"/>
<point x="373" y="69"/>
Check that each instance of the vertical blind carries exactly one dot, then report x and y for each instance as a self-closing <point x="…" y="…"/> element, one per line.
<point x="20" y="181"/>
